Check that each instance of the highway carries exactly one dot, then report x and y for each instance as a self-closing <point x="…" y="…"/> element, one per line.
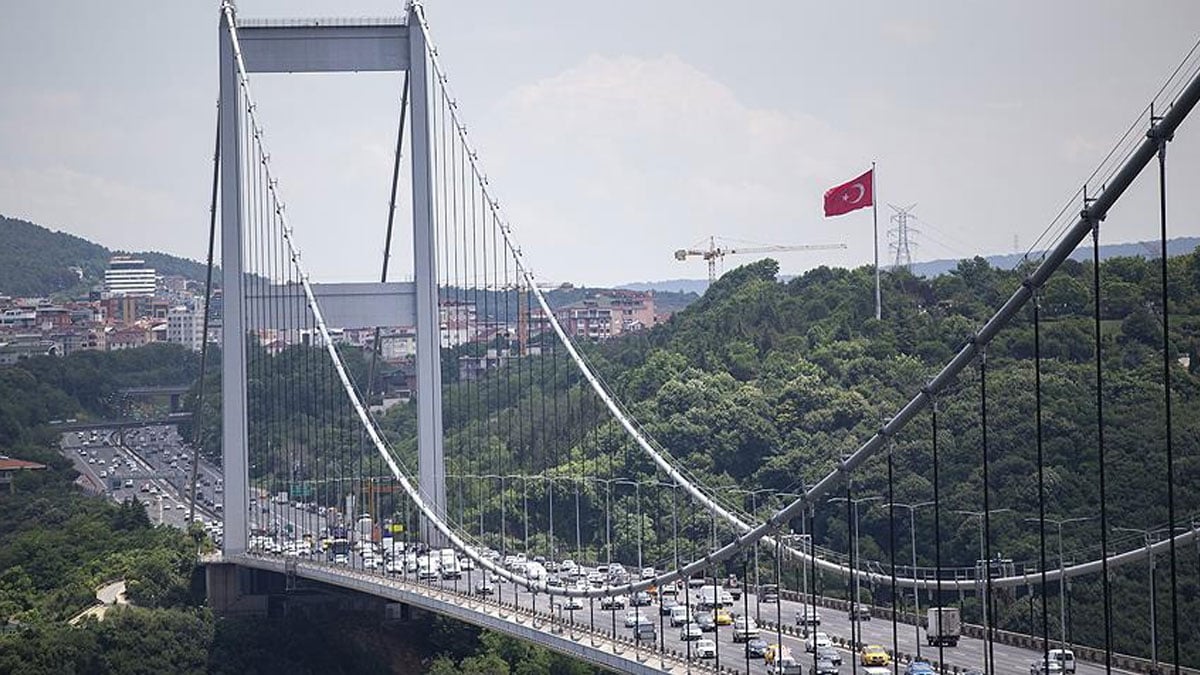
<point x="967" y="655"/>
<point x="138" y="464"/>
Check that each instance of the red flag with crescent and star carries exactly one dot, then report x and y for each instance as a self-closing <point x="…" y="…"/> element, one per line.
<point x="850" y="196"/>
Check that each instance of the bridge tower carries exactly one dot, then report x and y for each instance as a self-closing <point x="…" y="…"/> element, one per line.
<point x="305" y="46"/>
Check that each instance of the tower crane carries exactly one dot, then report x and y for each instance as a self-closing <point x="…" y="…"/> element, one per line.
<point x="713" y="253"/>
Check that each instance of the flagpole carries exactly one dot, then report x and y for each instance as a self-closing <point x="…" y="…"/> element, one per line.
<point x="875" y="222"/>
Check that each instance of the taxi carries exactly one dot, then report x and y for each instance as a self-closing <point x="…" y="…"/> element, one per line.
<point x="875" y="655"/>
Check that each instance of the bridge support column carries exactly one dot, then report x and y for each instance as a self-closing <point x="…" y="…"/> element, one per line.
<point x="227" y="587"/>
<point x="430" y="453"/>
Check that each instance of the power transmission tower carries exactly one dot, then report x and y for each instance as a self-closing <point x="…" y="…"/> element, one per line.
<point x="898" y="237"/>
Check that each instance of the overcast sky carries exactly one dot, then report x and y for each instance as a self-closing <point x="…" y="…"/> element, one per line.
<point x="613" y="133"/>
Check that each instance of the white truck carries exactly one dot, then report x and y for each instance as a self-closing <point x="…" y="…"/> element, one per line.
<point x="943" y="626"/>
<point x="447" y="562"/>
<point x="712" y="595"/>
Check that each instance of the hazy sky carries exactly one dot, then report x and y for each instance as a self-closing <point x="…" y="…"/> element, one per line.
<point x="613" y="133"/>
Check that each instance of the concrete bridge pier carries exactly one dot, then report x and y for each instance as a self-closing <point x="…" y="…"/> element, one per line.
<point x="237" y="591"/>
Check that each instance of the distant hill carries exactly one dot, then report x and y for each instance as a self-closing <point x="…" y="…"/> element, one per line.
<point x="35" y="261"/>
<point x="1141" y="249"/>
<point x="933" y="268"/>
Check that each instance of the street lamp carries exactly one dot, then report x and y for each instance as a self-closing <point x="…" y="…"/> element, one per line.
<point x="754" y="515"/>
<point x="985" y="565"/>
<point x="1148" y="536"/>
<point x="912" y="516"/>
<point x="855" y="603"/>
<point x="1062" y="576"/>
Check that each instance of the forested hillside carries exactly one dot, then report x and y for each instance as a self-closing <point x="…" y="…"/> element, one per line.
<point x="767" y="385"/>
<point x="35" y="261"/>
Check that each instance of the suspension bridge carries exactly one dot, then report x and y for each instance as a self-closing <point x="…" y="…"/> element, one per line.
<point x="522" y="495"/>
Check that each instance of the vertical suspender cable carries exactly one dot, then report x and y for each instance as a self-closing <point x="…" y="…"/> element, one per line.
<point x="198" y="416"/>
<point x="892" y="556"/>
<point x="1107" y="591"/>
<point x="1166" y="314"/>
<point x="989" y="599"/>
<point x="937" y="528"/>
<point x="1041" y="460"/>
<point x="852" y="537"/>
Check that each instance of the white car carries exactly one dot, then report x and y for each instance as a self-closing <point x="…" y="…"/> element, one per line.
<point x="572" y="603"/>
<point x="706" y="649"/>
<point x="634" y="617"/>
<point x="690" y="631"/>
<point x="614" y="602"/>
<point x="817" y="640"/>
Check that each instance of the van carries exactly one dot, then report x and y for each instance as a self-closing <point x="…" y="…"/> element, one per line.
<point x="680" y="615"/>
<point x="1065" y="658"/>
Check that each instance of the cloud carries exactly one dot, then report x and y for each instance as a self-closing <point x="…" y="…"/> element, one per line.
<point x="911" y="32"/>
<point x="658" y="155"/>
<point x="112" y="213"/>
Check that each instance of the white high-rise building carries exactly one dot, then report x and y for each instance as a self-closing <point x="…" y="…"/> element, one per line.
<point x="127" y="276"/>
<point x="186" y="326"/>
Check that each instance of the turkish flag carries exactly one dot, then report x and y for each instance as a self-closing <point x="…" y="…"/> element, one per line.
<point x="851" y="195"/>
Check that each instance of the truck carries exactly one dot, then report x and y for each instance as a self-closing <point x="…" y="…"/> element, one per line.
<point x="712" y="595"/>
<point x="447" y="563"/>
<point x="943" y="626"/>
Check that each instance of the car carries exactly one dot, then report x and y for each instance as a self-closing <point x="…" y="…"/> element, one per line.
<point x="649" y="573"/>
<point x="640" y="599"/>
<point x="744" y="628"/>
<point x="785" y="666"/>
<point x="874" y="655"/>
<point x="690" y="631"/>
<point x="756" y="647"/>
<point x="634" y="617"/>
<point x="817" y="640"/>
<point x="706" y="649"/>
<point x="613" y="602"/>
<point x="706" y="621"/>
<point x="859" y="613"/>
<point x="1039" y="667"/>
<point x="919" y="667"/>
<point x="829" y="654"/>
<point x="645" y="632"/>
<point x="104" y="474"/>
<point x="572" y="603"/>
<point x="826" y="667"/>
<point x="723" y="617"/>
<point x="483" y="587"/>
<point x="665" y="605"/>
<point x="809" y="615"/>
<point x="180" y="507"/>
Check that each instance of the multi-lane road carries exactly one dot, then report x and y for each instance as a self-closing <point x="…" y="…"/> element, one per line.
<point x="150" y="464"/>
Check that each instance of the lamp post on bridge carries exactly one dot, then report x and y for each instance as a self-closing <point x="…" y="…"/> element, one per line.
<point x="986" y="566"/>
<point x="754" y="515"/>
<point x="855" y="602"/>
<point x="1148" y="538"/>
<point x="524" y="505"/>
<point x="1062" y="576"/>
<point x="912" y="519"/>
